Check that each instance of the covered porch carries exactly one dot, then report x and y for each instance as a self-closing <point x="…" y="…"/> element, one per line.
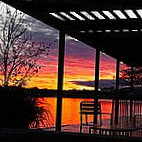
<point x="112" y="28"/>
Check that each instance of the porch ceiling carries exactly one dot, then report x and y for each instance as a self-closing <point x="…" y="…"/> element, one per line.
<point x="113" y="26"/>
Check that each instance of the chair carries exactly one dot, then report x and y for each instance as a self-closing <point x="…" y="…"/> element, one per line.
<point x="87" y="109"/>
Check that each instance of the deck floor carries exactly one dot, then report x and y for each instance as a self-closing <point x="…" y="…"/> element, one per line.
<point x="76" y="129"/>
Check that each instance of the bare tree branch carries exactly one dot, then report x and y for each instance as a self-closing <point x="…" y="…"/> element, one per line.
<point x="18" y="53"/>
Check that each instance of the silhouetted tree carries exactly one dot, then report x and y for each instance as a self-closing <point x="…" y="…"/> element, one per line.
<point x="19" y="56"/>
<point x="126" y="76"/>
<point x="18" y="51"/>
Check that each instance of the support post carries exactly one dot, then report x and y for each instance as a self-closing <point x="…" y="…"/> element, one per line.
<point x="97" y="64"/>
<point x="132" y="87"/>
<point x="117" y="88"/>
<point x="132" y="78"/>
<point x="60" y="79"/>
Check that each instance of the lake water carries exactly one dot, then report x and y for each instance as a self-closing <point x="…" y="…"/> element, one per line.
<point x="71" y="109"/>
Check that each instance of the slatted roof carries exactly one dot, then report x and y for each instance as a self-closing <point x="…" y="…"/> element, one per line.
<point x="115" y="27"/>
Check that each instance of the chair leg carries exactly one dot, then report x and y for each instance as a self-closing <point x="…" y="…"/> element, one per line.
<point x="86" y="119"/>
<point x="80" y="123"/>
<point x="89" y="130"/>
<point x="80" y="128"/>
<point x="111" y="119"/>
<point x="100" y="119"/>
<point x="134" y="121"/>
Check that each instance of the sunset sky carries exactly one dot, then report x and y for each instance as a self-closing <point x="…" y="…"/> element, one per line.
<point x="79" y="61"/>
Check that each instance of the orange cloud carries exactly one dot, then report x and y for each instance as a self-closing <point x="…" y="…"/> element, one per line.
<point x="78" y="67"/>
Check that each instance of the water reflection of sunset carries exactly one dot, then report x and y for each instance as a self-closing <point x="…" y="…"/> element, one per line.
<point x="71" y="110"/>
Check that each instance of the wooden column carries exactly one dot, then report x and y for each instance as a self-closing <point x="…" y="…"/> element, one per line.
<point x="97" y="64"/>
<point x="132" y="78"/>
<point x="132" y="87"/>
<point x="117" y="88"/>
<point x="60" y="79"/>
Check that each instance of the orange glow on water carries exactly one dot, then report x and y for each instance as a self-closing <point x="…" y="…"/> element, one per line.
<point x="71" y="110"/>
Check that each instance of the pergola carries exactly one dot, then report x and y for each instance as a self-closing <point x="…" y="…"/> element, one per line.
<point x="113" y="27"/>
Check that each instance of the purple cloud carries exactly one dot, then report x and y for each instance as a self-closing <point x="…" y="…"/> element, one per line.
<point x="104" y="83"/>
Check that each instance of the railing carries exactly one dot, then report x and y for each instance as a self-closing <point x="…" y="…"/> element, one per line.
<point x="130" y="111"/>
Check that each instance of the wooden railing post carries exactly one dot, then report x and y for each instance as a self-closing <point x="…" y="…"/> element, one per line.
<point x="96" y="85"/>
<point x="117" y="88"/>
<point x="60" y="80"/>
<point x="132" y="87"/>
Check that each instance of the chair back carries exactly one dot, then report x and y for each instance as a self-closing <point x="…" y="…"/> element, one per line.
<point x="87" y="107"/>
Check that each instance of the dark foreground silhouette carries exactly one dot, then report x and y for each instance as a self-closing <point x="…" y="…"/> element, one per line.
<point x="18" y="109"/>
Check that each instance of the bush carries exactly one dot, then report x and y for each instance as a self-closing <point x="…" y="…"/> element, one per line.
<point x="20" y="110"/>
